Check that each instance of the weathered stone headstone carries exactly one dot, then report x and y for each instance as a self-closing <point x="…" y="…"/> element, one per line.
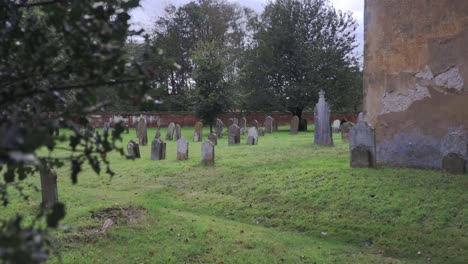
<point x="170" y="131"/>
<point x="303" y="125"/>
<point x="208" y="153"/>
<point x="294" y="125"/>
<point x="261" y="131"/>
<point x="213" y="138"/>
<point x="142" y="132"/>
<point x="158" y="149"/>
<point x="133" y="149"/>
<point x="336" y="126"/>
<point x="158" y="133"/>
<point x="255" y="123"/>
<point x="268" y="124"/>
<point x="345" y="129"/>
<point x="182" y="149"/>
<point x="362" y="144"/>
<point x="198" y="133"/>
<point x="252" y="137"/>
<point x="48" y="187"/>
<point x="322" y="132"/>
<point x="454" y="151"/>
<point x="219" y="128"/>
<point x="243" y="124"/>
<point x="178" y="132"/>
<point x="234" y="135"/>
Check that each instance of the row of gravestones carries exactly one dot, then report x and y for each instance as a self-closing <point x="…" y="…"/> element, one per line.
<point x="158" y="146"/>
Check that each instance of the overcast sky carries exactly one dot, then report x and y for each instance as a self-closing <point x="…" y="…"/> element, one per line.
<point x="151" y="9"/>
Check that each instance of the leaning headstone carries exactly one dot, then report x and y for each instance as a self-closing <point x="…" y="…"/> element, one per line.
<point x="182" y="149"/>
<point x="198" y="133"/>
<point x="294" y="125"/>
<point x="268" y="124"/>
<point x="213" y="138"/>
<point x="48" y="187"/>
<point x="208" y="153"/>
<point x="170" y="131"/>
<point x="158" y="133"/>
<point x="261" y="131"/>
<point x="345" y="129"/>
<point x="453" y="149"/>
<point x="303" y="125"/>
<point x="322" y="132"/>
<point x="336" y="126"/>
<point x="178" y="133"/>
<point x="158" y="149"/>
<point x="362" y="144"/>
<point x="142" y="132"/>
<point x="252" y="138"/>
<point x="234" y="135"/>
<point x="133" y="149"/>
<point x="219" y="128"/>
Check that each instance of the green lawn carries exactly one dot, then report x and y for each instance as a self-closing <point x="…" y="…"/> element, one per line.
<point x="284" y="200"/>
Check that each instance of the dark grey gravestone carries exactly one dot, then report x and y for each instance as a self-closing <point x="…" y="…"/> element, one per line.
<point x="219" y="128"/>
<point x="454" y="163"/>
<point x="158" y="149"/>
<point x="142" y="132"/>
<point x="127" y="129"/>
<point x="454" y="152"/>
<point x="234" y="134"/>
<point x="198" y="133"/>
<point x="208" y="153"/>
<point x="170" y="131"/>
<point x="322" y="132"/>
<point x="182" y="149"/>
<point x="178" y="132"/>
<point x="345" y="129"/>
<point x="362" y="136"/>
<point x="133" y="149"/>
<point x="294" y="128"/>
<point x="213" y="138"/>
<point x="268" y="124"/>
<point x="48" y="187"/>
<point x="303" y="125"/>
<point x="361" y="157"/>
<point x="252" y="138"/>
<point x="275" y="125"/>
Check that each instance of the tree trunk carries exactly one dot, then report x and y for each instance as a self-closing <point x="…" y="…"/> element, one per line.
<point x="49" y="187"/>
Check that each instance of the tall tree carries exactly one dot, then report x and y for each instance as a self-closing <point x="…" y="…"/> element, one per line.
<point x="181" y="31"/>
<point x="211" y="92"/>
<point x="299" y="47"/>
<point x="54" y="56"/>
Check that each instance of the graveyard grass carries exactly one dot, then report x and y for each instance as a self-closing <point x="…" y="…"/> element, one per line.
<point x="284" y="200"/>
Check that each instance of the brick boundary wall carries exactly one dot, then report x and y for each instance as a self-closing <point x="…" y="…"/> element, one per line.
<point x="187" y="119"/>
